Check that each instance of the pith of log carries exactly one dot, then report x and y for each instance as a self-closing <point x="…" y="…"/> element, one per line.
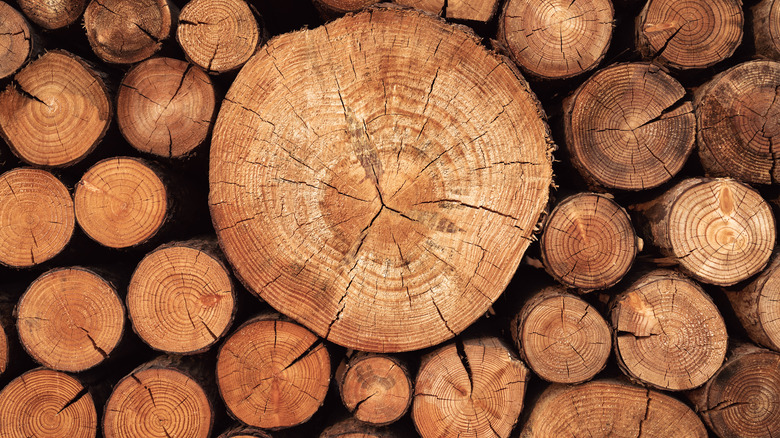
<point x="766" y="28"/>
<point x="70" y="319"/>
<point x="689" y="34"/>
<point x="165" y="107"/>
<point x="218" y="35"/>
<point x="52" y="14"/>
<point x="55" y="111"/>
<point x="44" y="402"/>
<point x="561" y="337"/>
<point x="629" y="127"/>
<point x="273" y="373"/>
<point x="16" y="40"/>
<point x="556" y="39"/>
<point x="737" y="113"/>
<point x="180" y="298"/>
<point x="667" y="331"/>
<point x="755" y="305"/>
<point x="469" y="388"/>
<point x="588" y="242"/>
<point x="393" y="190"/>
<point x="123" y="32"/>
<point x="36" y="217"/>
<point x="610" y="405"/>
<point x="718" y="231"/>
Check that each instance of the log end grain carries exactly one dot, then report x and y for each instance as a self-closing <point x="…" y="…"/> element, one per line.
<point x="352" y="428"/>
<point x="37" y="217"/>
<point x="376" y="389"/>
<point x="337" y="7"/>
<point x="471" y="10"/>
<point x="53" y="14"/>
<point x="432" y="6"/>
<point x="15" y="40"/>
<point x="756" y="306"/>
<point x="766" y="28"/>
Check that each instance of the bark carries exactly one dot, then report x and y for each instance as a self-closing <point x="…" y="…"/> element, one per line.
<point x="240" y="431"/>
<point x="351" y="428"/>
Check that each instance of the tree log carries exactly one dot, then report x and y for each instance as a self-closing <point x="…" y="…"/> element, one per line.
<point x="165" y="107"/>
<point x="16" y="40"/>
<point x="241" y="431"/>
<point x="766" y="28"/>
<point x="668" y="332"/>
<point x="273" y="373"/>
<point x="755" y="305"/>
<point x="4" y="348"/>
<point x="471" y="10"/>
<point x="561" y="337"/>
<point x="52" y="14"/>
<point x="123" y="32"/>
<point x="352" y="428"/>
<point x="47" y="403"/>
<point x="689" y="34"/>
<point x="556" y="39"/>
<point x="218" y="35"/>
<point x="588" y="242"/>
<point x="738" y="113"/>
<point x="469" y="388"/>
<point x="610" y="408"/>
<point x="433" y="6"/>
<point x="36" y="217"/>
<point x="381" y="202"/>
<point x="180" y="298"/>
<point x="628" y="127"/>
<point x="719" y="231"/>
<point x="55" y="111"/>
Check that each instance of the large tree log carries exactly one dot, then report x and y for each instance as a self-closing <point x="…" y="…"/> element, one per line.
<point x="766" y="28"/>
<point x="16" y="40"/>
<point x="755" y="305"/>
<point x="52" y="14"/>
<point x="384" y="191"/>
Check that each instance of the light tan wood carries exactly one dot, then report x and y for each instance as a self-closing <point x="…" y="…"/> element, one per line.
<point x="70" y="319"/>
<point x="36" y="217"/>
<point x="56" y="110"/>
<point x="383" y="204"/>
<point x="755" y="305"/>
<point x="47" y="403"/>
<point x="765" y="23"/>
<point x="376" y="389"/>
<point x="16" y="40"/>
<point x="52" y="14"/>
<point x="471" y="10"/>
<point x="433" y="6"/>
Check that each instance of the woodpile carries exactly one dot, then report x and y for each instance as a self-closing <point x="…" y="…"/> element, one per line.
<point x="347" y="218"/>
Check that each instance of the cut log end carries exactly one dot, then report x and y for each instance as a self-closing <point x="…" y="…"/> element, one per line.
<point x="121" y="202"/>
<point x="37" y="217"/>
<point x="52" y="14"/>
<point x="756" y="306"/>
<point x="376" y="389"/>
<point x="556" y="39"/>
<point x="44" y="402"/>
<point x="70" y="319"/>
<point x="471" y="10"/>
<point x="766" y="28"/>
<point x="15" y="40"/>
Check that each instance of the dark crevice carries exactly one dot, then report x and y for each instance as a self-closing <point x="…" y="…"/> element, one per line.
<point x="25" y="93"/>
<point x="464" y="359"/>
<point x="314" y="346"/>
<point x="94" y="344"/>
<point x="357" y="406"/>
<point x="75" y="399"/>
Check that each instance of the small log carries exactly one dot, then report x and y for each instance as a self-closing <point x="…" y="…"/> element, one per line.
<point x="766" y="28"/>
<point x="610" y="408"/>
<point x="241" y="431"/>
<point x="561" y="337"/>
<point x="36" y="217"/>
<point x="556" y="39"/>
<point x="741" y="399"/>
<point x="273" y="373"/>
<point x="719" y="231"/>
<point x="123" y="32"/>
<point x="47" y="403"/>
<point x="629" y="127"/>
<point x="667" y="331"/>
<point x="432" y="6"/>
<point x="332" y="8"/>
<point x="52" y="14"/>
<point x="162" y="398"/>
<point x="70" y="319"/>
<point x="181" y="298"/>
<point x="738" y="113"/>
<point x="218" y="35"/>
<point x="469" y="388"/>
<point x="55" y="111"/>
<point x="471" y="10"/>
<point x="375" y="389"/>
<point x="122" y="202"/>
<point x="352" y="428"/>
<point x="588" y="242"/>
<point x="16" y="40"/>
<point x="689" y="34"/>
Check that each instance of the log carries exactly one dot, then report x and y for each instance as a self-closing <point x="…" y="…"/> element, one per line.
<point x="36" y="217"/>
<point x="432" y="6"/>
<point x="122" y="202"/>
<point x="718" y="231"/>
<point x="218" y="35"/>
<point x="471" y="10"/>
<point x="122" y="32"/>
<point x="691" y="34"/>
<point x="165" y="107"/>
<point x="181" y="298"/>
<point x="162" y="398"/>
<point x="55" y="111"/>
<point x="405" y="206"/>
<point x="334" y="8"/>
<point x="561" y="337"/>
<point x="352" y="428"/>
<point x="588" y="242"/>
<point x="629" y="127"/>
<point x="273" y="373"/>
<point x="52" y="14"/>
<point x="740" y="400"/>
<point x="556" y="39"/>
<point x="241" y="431"/>
<point x="16" y="40"/>
<point x="4" y="348"/>
<point x="469" y="388"/>
<point x="610" y="408"/>
<point x="70" y="319"/>
<point x="766" y="28"/>
<point x="668" y="333"/>
<point x="376" y="389"/>
<point x="47" y="403"/>
<point x="737" y="113"/>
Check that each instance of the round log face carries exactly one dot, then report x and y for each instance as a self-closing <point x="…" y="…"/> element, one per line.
<point x="376" y="389"/>
<point x="53" y="14"/>
<point x="15" y="39"/>
<point x="378" y="178"/>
